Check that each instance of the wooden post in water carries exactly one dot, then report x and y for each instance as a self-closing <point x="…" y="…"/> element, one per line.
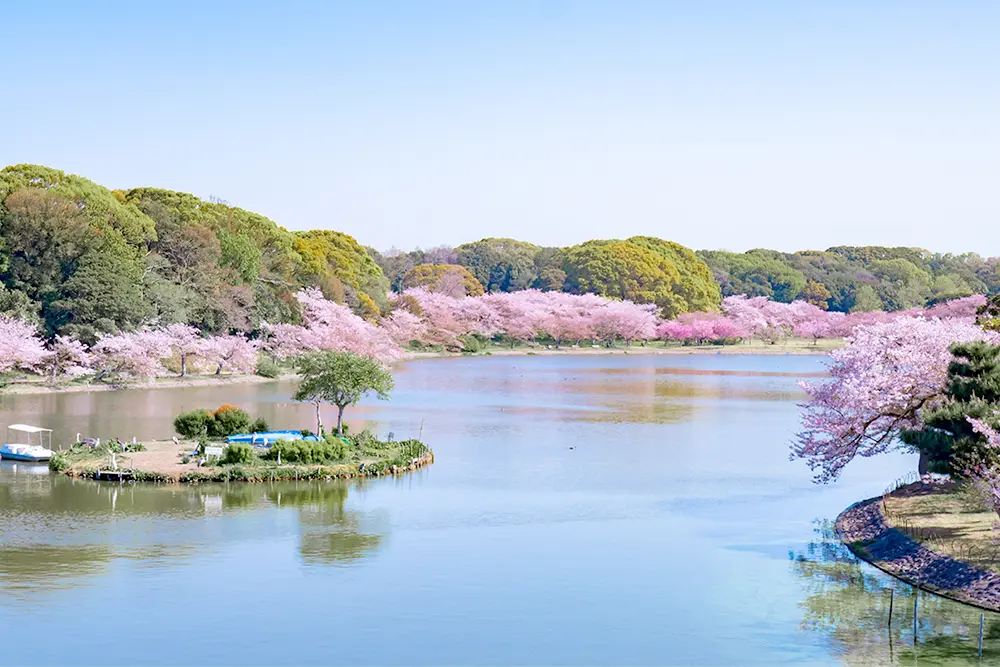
<point x="982" y="622"/>
<point x="892" y="594"/>
<point x="915" y="599"/>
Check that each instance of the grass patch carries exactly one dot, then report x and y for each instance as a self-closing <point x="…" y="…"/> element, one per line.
<point x="948" y="519"/>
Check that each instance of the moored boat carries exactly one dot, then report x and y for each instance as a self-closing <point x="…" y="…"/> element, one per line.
<point x="29" y="452"/>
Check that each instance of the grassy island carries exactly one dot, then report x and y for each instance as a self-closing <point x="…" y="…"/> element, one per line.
<point x="169" y="461"/>
<point x="947" y="518"/>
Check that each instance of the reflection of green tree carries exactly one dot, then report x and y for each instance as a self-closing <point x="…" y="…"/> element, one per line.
<point x="330" y="532"/>
<point x="33" y="567"/>
<point x="52" y="531"/>
<point x="847" y="601"/>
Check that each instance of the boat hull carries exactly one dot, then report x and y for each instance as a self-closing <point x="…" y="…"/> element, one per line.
<point x="24" y="458"/>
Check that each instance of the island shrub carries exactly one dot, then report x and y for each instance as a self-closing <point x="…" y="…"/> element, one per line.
<point x="228" y="420"/>
<point x="192" y="424"/>
<point x="59" y="462"/>
<point x="366" y="441"/>
<point x="268" y="369"/>
<point x="260" y="425"/>
<point x="308" y="451"/>
<point x="238" y="453"/>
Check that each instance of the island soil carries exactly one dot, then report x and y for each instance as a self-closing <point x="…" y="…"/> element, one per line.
<point x="163" y="461"/>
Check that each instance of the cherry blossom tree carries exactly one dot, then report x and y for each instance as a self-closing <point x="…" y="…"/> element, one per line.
<point x="235" y="353"/>
<point x="964" y="307"/>
<point x="20" y="345"/>
<point x="439" y="313"/>
<point x="403" y="326"/>
<point x="984" y="477"/>
<point x="329" y="326"/>
<point x="881" y="380"/>
<point x="66" y="357"/>
<point x="820" y="325"/>
<point x="134" y="355"/>
<point x="674" y="330"/>
<point x="625" y="320"/>
<point x="514" y="314"/>
<point x="185" y="341"/>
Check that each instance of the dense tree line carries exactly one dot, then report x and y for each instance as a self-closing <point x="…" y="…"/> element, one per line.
<point x="82" y="260"/>
<point x="850" y="278"/>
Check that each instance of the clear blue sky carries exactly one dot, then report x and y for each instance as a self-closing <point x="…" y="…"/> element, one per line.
<point x="734" y="125"/>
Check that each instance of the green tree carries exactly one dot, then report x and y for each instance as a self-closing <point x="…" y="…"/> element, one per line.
<point x="341" y="379"/>
<point x="947" y="442"/>
<point x="500" y="265"/>
<point x="866" y="300"/>
<point x="449" y="278"/>
<point x="341" y="267"/>
<point x="901" y="284"/>
<point x="623" y="270"/>
<point x="696" y="288"/>
<point x="83" y="270"/>
<point x="755" y="273"/>
<point x="817" y="294"/>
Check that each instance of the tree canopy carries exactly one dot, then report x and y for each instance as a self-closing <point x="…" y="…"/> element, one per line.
<point x="500" y="265"/>
<point x="623" y="270"/>
<point x="341" y="379"/>
<point x="450" y="279"/>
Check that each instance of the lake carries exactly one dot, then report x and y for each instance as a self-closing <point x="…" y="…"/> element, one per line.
<point x="582" y="510"/>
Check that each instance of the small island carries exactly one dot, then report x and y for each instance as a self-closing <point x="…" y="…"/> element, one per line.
<point x="226" y="445"/>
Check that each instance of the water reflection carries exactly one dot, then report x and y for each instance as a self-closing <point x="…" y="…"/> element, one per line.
<point x="847" y="601"/>
<point x="43" y="546"/>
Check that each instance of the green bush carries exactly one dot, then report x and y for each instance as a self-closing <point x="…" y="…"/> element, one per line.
<point x="308" y="451"/>
<point x="192" y="424"/>
<point x="336" y="448"/>
<point x="259" y="425"/>
<point x="238" y="453"/>
<point x="471" y="344"/>
<point x="268" y="369"/>
<point x="367" y="440"/>
<point x="228" y="420"/>
<point x="58" y="462"/>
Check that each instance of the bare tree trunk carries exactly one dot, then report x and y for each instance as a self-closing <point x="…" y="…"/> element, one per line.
<point x="319" y="420"/>
<point x="923" y="466"/>
<point x="340" y="420"/>
<point x="184" y="362"/>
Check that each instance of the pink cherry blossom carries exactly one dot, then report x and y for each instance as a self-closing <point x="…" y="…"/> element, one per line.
<point x="329" y="326"/>
<point x="185" y="341"/>
<point x="881" y="380"/>
<point x="67" y="357"/>
<point x="233" y="353"/>
<point x="134" y="355"/>
<point x="20" y="345"/>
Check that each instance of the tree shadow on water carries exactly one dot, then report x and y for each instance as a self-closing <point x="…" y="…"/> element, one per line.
<point x="846" y="605"/>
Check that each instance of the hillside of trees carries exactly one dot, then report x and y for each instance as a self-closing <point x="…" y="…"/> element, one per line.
<point x="81" y="260"/>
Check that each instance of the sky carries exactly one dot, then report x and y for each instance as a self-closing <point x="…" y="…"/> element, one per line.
<point x="719" y="125"/>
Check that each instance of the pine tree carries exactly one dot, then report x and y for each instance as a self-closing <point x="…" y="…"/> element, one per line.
<point x="947" y="443"/>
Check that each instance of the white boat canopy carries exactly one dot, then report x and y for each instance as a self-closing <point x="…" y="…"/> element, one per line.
<point x="24" y="428"/>
<point x="32" y="431"/>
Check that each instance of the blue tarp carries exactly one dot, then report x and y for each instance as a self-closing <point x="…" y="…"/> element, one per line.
<point x="268" y="438"/>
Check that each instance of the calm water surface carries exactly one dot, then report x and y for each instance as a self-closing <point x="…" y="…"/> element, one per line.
<point x="582" y="510"/>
